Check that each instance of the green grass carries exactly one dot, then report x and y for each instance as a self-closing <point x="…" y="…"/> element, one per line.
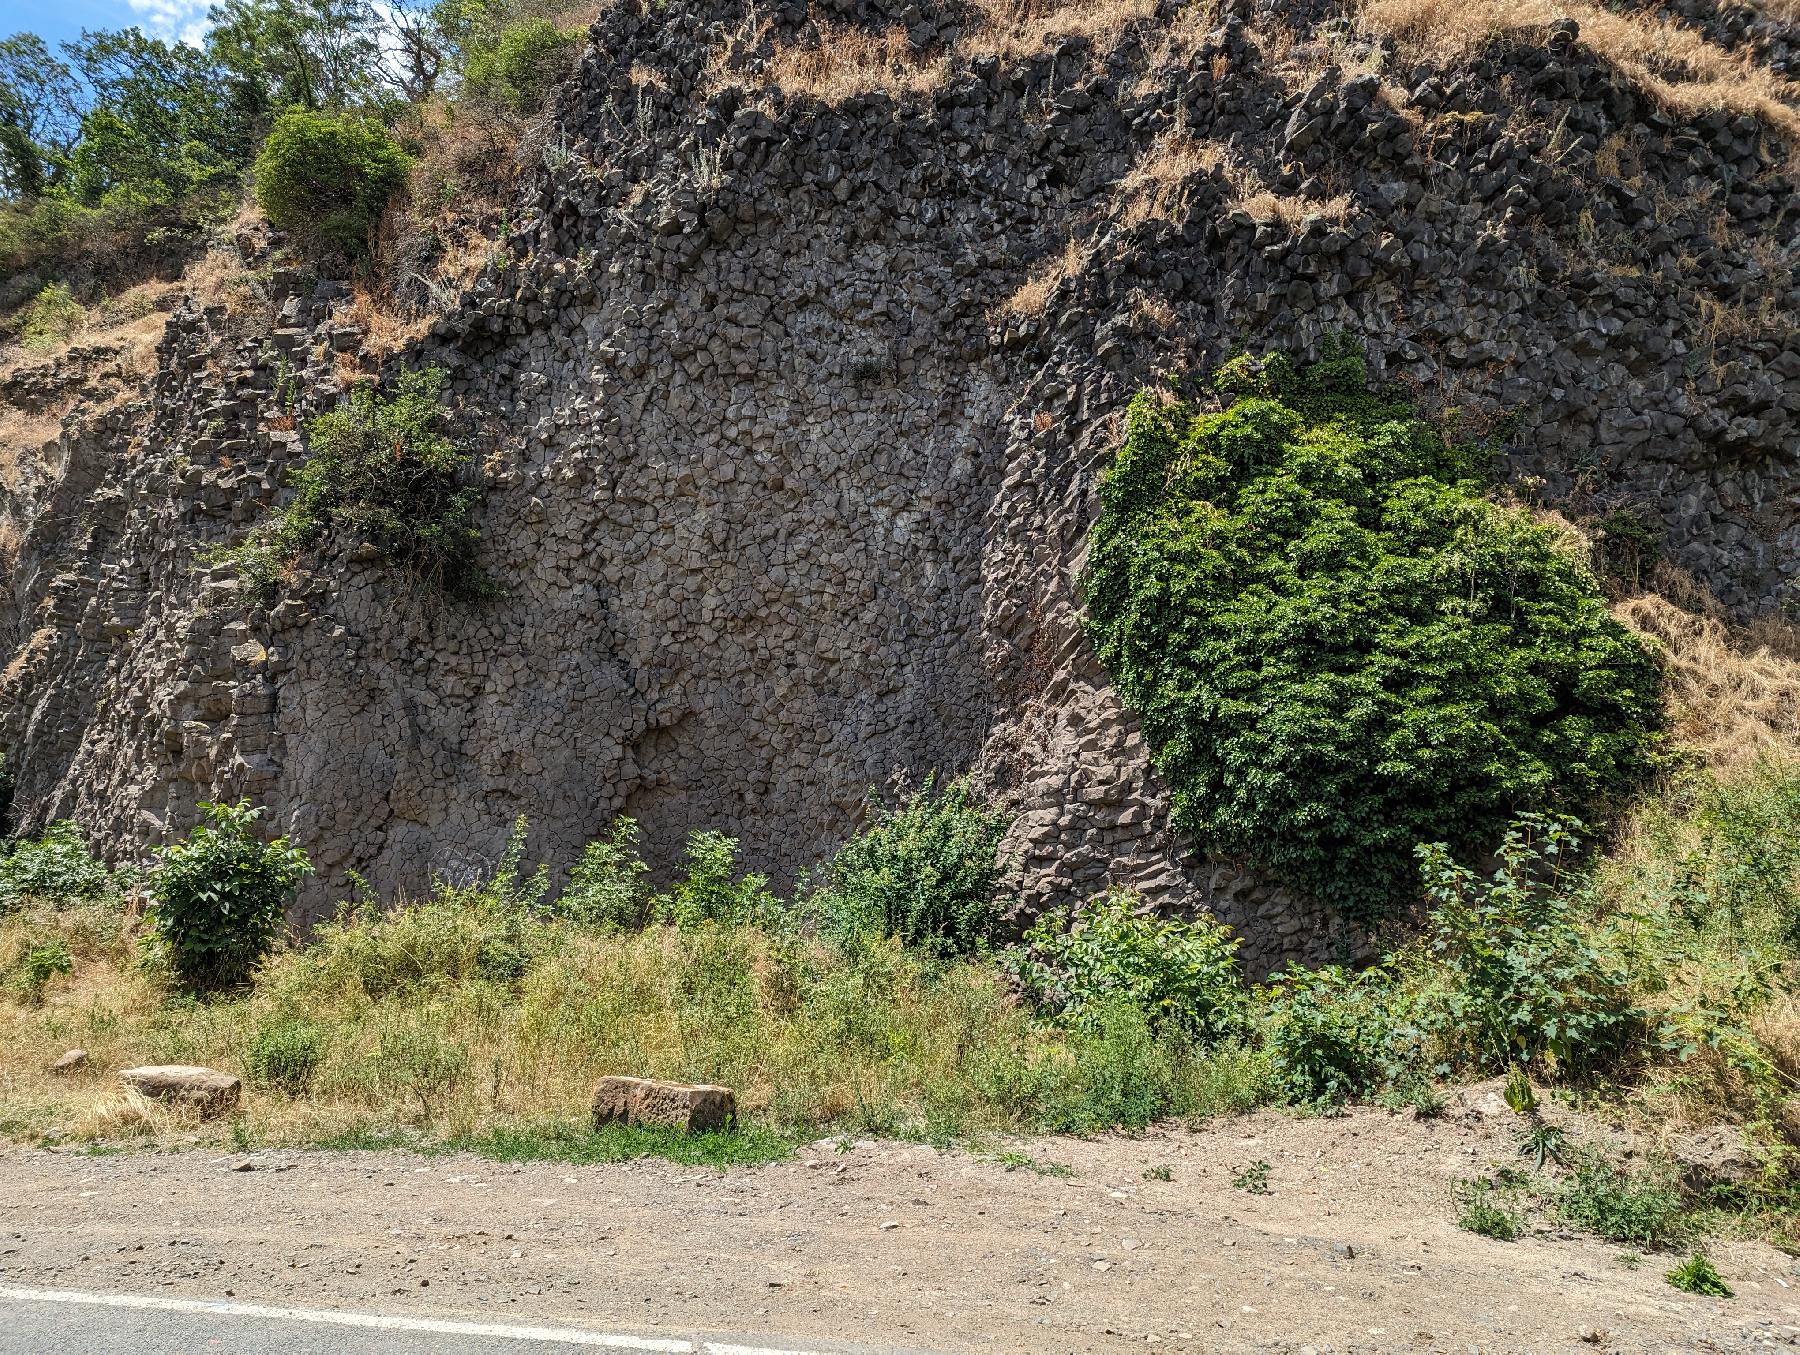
<point x="1013" y="1161"/>
<point x="1643" y="1208"/>
<point x="1697" y="1275"/>
<point x="579" y="1145"/>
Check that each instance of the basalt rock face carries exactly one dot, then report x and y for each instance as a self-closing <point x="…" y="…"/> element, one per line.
<point x="791" y="414"/>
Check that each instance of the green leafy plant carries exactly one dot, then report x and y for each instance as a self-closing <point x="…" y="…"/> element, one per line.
<point x="56" y="868"/>
<point x="517" y="65"/>
<point x="927" y="872"/>
<point x="1253" y="1178"/>
<point x="379" y="470"/>
<point x="220" y="896"/>
<point x="1338" y="648"/>
<point x="1543" y="1143"/>
<point x="711" y="890"/>
<point x="1328" y="1032"/>
<point x="416" y="1058"/>
<point x="1644" y="1208"/>
<point x="1697" y="1275"/>
<point x="1182" y="975"/>
<point x="1488" y="1212"/>
<point x="1522" y="976"/>
<point x="34" y="970"/>
<point x="1160" y="1172"/>
<point x="606" y="889"/>
<point x="329" y="176"/>
<point x="285" y="1052"/>
<point x="50" y="319"/>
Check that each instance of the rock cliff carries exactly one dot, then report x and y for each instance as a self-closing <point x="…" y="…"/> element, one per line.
<point x="792" y="385"/>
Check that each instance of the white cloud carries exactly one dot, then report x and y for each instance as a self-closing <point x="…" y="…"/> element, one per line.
<point x="179" y="20"/>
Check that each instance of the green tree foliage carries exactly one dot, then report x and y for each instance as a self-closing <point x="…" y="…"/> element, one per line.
<point x="39" y="118"/>
<point x="928" y="872"/>
<point x="517" y="64"/>
<point x="381" y="470"/>
<point x="1183" y="976"/>
<point x="606" y="888"/>
<point x="51" y="319"/>
<point x="329" y="175"/>
<point x="1338" y="647"/>
<point x="221" y="895"/>
<point x="710" y="889"/>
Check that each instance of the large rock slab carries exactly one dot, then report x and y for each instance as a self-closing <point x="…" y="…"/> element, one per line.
<point x="205" y="1089"/>
<point x="692" y="1109"/>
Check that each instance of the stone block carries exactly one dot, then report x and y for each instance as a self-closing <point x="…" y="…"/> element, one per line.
<point x="639" y="1100"/>
<point x="205" y="1089"/>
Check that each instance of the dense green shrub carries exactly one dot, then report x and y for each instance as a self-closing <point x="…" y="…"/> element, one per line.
<point x="1643" y="1207"/>
<point x="285" y="1052"/>
<point x="927" y="872"/>
<point x="1338" y="647"/>
<point x="329" y="175"/>
<point x="56" y="868"/>
<point x="1183" y="976"/>
<point x="606" y="888"/>
<point x="380" y="469"/>
<point x="51" y="319"/>
<point x="220" y="896"/>
<point x="1329" y="1033"/>
<point x="37" y="966"/>
<point x="1519" y="972"/>
<point x="518" y="65"/>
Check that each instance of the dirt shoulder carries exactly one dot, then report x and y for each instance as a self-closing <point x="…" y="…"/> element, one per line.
<point x="1354" y="1249"/>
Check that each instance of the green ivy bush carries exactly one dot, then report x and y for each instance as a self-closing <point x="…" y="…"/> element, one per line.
<point x="1183" y="976"/>
<point x="928" y="872"/>
<point x="379" y="469"/>
<point x="56" y="868"/>
<point x="329" y="176"/>
<point x="220" y="897"/>
<point x="1338" y="647"/>
<point x="520" y="64"/>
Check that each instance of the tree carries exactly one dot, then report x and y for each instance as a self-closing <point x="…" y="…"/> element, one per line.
<point x="311" y="54"/>
<point x="39" y="119"/>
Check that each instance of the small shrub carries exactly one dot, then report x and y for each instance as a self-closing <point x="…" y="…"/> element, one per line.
<point x="57" y="868"/>
<point x="1645" y="1209"/>
<point x="221" y="895"/>
<point x="51" y="319"/>
<point x="606" y="888"/>
<point x="1254" y="1179"/>
<point x="1543" y="1143"/>
<point x="414" y="1059"/>
<point x="927" y="872"/>
<point x="1160" y="1172"/>
<point x="1697" y="1275"/>
<point x="34" y="970"/>
<point x="380" y="470"/>
<point x="1520" y="976"/>
<point x="285" y="1052"/>
<point x="1487" y="1212"/>
<point x="329" y="175"/>
<point x="518" y="66"/>
<point x="1338" y="647"/>
<point x="1182" y="975"/>
<point x="1328" y="1034"/>
<point x="711" y="890"/>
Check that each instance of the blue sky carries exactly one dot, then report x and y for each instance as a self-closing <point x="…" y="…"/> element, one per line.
<point x="58" y="20"/>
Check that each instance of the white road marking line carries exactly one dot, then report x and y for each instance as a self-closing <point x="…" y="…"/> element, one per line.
<point x="568" y="1336"/>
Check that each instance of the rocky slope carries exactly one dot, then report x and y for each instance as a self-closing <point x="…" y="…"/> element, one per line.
<point x="792" y="386"/>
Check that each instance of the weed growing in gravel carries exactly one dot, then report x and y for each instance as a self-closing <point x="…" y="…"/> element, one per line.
<point x="1644" y="1208"/>
<point x="580" y="1145"/>
<point x="1254" y="1178"/>
<point x="1160" y="1172"/>
<point x="1013" y="1160"/>
<point x="1697" y="1275"/>
<point x="1488" y="1210"/>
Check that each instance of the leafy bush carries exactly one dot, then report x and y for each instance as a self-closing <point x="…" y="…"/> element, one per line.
<point x="1645" y="1208"/>
<point x="221" y="896"/>
<point x="1338" y="648"/>
<point x="329" y="175"/>
<point x="1328" y="1033"/>
<point x="519" y="65"/>
<point x="1183" y="976"/>
<point x="285" y="1052"/>
<point x="52" y="318"/>
<point x="57" y="868"/>
<point x="1697" y="1275"/>
<point x="34" y="970"/>
<point x="1487" y="1211"/>
<point x="1520" y="975"/>
<point x="711" y="891"/>
<point x="379" y="469"/>
<point x="927" y="872"/>
<point x="606" y="888"/>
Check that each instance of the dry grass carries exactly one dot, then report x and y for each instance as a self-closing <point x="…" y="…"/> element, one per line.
<point x="1734" y="692"/>
<point x="849" y="61"/>
<point x="1033" y="295"/>
<point x="1270" y="206"/>
<point x="1669" y="61"/>
<point x="1155" y="185"/>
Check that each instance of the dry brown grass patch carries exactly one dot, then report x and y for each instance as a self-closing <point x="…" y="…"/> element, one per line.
<point x="1671" y="62"/>
<point x="1154" y="186"/>
<point x="1033" y="295"/>
<point x="1734" y="691"/>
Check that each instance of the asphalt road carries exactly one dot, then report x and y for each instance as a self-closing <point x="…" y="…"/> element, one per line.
<point x="53" y="1322"/>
